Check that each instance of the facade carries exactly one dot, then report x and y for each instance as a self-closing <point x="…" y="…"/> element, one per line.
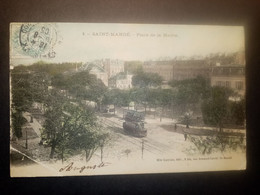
<point x="178" y="69"/>
<point x="189" y="69"/>
<point x="102" y="76"/>
<point x="104" y="69"/>
<point x="163" y="68"/>
<point x="98" y="70"/>
<point x="113" y="67"/>
<point x="121" y="81"/>
<point x="229" y="76"/>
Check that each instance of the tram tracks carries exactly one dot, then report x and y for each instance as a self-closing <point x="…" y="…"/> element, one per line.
<point x="150" y="145"/>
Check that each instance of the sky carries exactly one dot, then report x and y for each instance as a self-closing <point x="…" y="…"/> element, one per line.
<point x="82" y="42"/>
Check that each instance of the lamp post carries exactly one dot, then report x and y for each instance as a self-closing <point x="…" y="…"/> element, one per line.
<point x="26" y="140"/>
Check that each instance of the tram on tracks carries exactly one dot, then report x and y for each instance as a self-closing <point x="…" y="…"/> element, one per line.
<point x="134" y="123"/>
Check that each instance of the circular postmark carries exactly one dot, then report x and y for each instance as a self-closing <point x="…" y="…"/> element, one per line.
<point x="38" y="40"/>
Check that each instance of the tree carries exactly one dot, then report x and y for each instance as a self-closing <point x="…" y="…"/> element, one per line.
<point x="164" y="99"/>
<point x="125" y="97"/>
<point x="56" y="121"/>
<point x="96" y="91"/>
<point x="190" y="92"/>
<point x="161" y="98"/>
<point x="53" y="68"/>
<point x="17" y="122"/>
<point x="83" y="86"/>
<point x="144" y="80"/>
<point x="153" y="99"/>
<point x="86" y="86"/>
<point x="133" y="67"/>
<point x="141" y="96"/>
<point x="60" y="81"/>
<point x="214" y="109"/>
<point x="88" y="136"/>
<point x="21" y="92"/>
<point x="237" y="112"/>
<point x="114" y="97"/>
<point x="64" y="121"/>
<point x="69" y="127"/>
<point x="27" y="87"/>
<point x="38" y="86"/>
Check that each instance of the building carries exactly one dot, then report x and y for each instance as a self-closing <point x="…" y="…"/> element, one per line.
<point x="112" y="67"/>
<point x="121" y="81"/>
<point x="189" y="69"/>
<point x="98" y="70"/>
<point x="178" y="69"/>
<point x="163" y="68"/>
<point x="100" y="74"/>
<point x="104" y="69"/>
<point x="232" y="76"/>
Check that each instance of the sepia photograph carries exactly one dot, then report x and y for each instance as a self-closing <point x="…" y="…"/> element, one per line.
<point x="119" y="98"/>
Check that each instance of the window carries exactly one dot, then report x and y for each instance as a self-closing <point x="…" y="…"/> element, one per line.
<point x="218" y="83"/>
<point x="239" y="85"/>
<point x="228" y="84"/>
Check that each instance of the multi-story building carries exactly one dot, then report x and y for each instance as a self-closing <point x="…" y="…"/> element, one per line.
<point x="121" y="81"/>
<point x="178" y="69"/>
<point x="104" y="69"/>
<point x="113" y="67"/>
<point x="98" y="70"/>
<point x="232" y="76"/>
<point x="189" y="69"/>
<point x="163" y="68"/>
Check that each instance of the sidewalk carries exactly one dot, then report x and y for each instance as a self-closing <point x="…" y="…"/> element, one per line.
<point x="226" y="130"/>
<point x="35" y="124"/>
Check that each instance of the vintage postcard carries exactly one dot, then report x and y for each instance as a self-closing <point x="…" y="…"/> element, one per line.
<point x="106" y="99"/>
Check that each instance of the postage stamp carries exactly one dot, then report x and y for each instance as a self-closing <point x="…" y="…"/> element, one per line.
<point x="36" y="40"/>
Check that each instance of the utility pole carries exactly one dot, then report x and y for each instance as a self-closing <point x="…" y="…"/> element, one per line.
<point x="142" y="149"/>
<point x="26" y="140"/>
<point x="101" y="150"/>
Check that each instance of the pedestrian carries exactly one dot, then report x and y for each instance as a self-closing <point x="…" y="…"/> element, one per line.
<point x="241" y="139"/>
<point x="185" y="136"/>
<point x="175" y="127"/>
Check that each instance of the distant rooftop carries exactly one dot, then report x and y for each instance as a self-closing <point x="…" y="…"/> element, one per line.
<point x="177" y="62"/>
<point x="228" y="70"/>
<point x="91" y="66"/>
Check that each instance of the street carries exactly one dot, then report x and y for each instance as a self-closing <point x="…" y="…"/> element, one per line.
<point x="158" y="142"/>
<point x="162" y="140"/>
